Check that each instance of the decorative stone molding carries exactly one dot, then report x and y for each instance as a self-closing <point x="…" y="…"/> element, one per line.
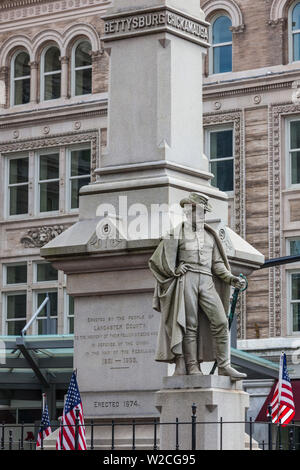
<point x="19" y="10"/>
<point x="244" y="91"/>
<point x="257" y="99"/>
<point x="236" y="117"/>
<point x="34" y="65"/>
<point x="56" y="141"/>
<point x="40" y="236"/>
<point x="276" y="114"/>
<point x="274" y="23"/>
<point x="231" y="7"/>
<point x="237" y="29"/>
<point x="277" y="11"/>
<point x="64" y="60"/>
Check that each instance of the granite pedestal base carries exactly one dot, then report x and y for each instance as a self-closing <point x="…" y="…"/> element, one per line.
<point x="216" y="398"/>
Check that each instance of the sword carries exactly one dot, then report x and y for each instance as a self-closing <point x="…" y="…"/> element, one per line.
<point x="232" y="311"/>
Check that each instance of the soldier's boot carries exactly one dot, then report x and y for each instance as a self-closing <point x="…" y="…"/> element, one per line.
<point x="180" y="368"/>
<point x="224" y="367"/>
<point x="232" y="373"/>
<point x="190" y="356"/>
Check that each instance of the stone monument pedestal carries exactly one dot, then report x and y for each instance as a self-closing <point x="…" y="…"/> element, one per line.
<point x="216" y="398"/>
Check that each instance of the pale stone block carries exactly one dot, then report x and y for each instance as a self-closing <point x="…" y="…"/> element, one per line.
<point x="216" y="397"/>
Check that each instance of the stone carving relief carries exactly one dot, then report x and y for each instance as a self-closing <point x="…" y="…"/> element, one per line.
<point x="107" y="236"/>
<point x="40" y="236"/>
<point x="226" y="241"/>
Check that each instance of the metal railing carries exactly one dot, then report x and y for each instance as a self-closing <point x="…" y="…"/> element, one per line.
<point x="274" y="441"/>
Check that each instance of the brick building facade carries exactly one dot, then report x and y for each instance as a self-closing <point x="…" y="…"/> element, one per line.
<point x="256" y="96"/>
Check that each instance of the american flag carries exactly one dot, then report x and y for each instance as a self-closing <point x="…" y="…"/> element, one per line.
<point x="66" y="441"/>
<point x="45" y="428"/>
<point x="283" y="406"/>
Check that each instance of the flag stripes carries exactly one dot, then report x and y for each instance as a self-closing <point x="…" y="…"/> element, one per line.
<point x="283" y="406"/>
<point x="45" y="428"/>
<point x="66" y="436"/>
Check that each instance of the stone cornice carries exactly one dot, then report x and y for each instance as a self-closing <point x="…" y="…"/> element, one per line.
<point x="44" y="116"/>
<point x="22" y="13"/>
<point x="9" y="5"/>
<point x="20" y="3"/>
<point x="208" y="94"/>
<point x="250" y="85"/>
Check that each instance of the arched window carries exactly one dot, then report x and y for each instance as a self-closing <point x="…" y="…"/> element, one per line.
<point x="50" y="73"/>
<point x="294" y="27"/>
<point x="81" y="68"/>
<point x="221" y="58"/>
<point x="20" y="78"/>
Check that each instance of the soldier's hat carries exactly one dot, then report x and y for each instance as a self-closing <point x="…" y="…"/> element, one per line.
<point x="195" y="199"/>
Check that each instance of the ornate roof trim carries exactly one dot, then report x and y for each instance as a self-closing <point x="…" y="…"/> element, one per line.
<point x="21" y="3"/>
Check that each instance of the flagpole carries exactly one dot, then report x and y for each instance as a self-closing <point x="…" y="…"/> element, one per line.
<point x="44" y="398"/>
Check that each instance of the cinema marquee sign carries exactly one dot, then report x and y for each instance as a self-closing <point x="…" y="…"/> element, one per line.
<point x="122" y="26"/>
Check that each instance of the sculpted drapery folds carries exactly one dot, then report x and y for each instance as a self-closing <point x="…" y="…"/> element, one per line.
<point x="193" y="280"/>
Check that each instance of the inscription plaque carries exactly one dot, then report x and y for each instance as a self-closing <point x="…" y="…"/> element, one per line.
<point x="114" y="344"/>
<point x="160" y="20"/>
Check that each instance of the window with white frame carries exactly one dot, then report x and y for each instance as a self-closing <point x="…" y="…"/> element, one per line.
<point x="294" y="247"/>
<point x="20" y="78"/>
<point x="15" y="274"/>
<point x="221" y="49"/>
<point x="81" y="68"/>
<point x="45" y="272"/>
<point x="46" y="323"/>
<point x="44" y="169"/>
<point x="70" y="314"/>
<point x="219" y="149"/>
<point x="294" y="32"/>
<point x="293" y="152"/>
<point x="49" y="182"/>
<point x="79" y="173"/>
<point x="295" y="301"/>
<point x="15" y="307"/>
<point x="18" y="185"/>
<point x="50" y="73"/>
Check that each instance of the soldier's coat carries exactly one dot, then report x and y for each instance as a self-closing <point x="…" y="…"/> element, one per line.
<point x="169" y="300"/>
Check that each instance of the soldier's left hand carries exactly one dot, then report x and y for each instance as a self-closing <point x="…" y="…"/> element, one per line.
<point x="238" y="282"/>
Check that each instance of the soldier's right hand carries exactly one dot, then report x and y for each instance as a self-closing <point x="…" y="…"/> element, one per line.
<point x="181" y="269"/>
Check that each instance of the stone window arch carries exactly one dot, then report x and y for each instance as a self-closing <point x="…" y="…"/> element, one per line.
<point x="294" y="31"/>
<point x="229" y="7"/>
<point x="50" y="73"/>
<point x="214" y="9"/>
<point x="20" y="77"/>
<point x="81" y="67"/>
<point x="220" y="56"/>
